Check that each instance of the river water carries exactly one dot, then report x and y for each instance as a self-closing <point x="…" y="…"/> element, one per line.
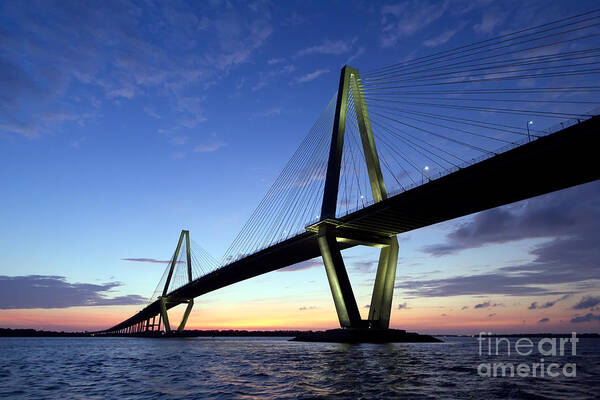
<point x="223" y="368"/>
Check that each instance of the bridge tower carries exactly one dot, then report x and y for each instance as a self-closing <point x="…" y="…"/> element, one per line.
<point x="329" y="234"/>
<point x="167" y="301"/>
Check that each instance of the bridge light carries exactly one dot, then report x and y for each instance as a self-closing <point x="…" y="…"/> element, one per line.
<point x="528" y="135"/>
<point x="426" y="168"/>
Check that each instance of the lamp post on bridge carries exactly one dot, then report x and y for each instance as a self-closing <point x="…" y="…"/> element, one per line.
<point x="423" y="174"/>
<point x="528" y="134"/>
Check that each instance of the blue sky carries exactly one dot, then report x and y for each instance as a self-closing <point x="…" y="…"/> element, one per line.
<point x="124" y="123"/>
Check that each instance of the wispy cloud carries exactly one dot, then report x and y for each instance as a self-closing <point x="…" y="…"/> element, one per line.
<point x="151" y="111"/>
<point x="486" y="305"/>
<point x="209" y="147"/>
<point x="589" y="317"/>
<point x="333" y="47"/>
<point x="490" y="21"/>
<point x="443" y="37"/>
<point x="49" y="72"/>
<point x="311" y="76"/>
<point x="316" y="262"/>
<point x="406" y="18"/>
<point x="267" y="113"/>
<point x="564" y="214"/>
<point x="482" y="305"/>
<point x="587" y="302"/>
<point x="359" y="52"/>
<point x="147" y="260"/>
<point x="267" y="78"/>
<point x="569" y="221"/>
<point x="544" y="320"/>
<point x="548" y="304"/>
<point x="275" y="60"/>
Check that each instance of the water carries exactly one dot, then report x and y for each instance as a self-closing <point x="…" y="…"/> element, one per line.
<point x="223" y="368"/>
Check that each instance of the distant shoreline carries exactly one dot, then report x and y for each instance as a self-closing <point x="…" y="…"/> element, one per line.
<point x="8" y="332"/>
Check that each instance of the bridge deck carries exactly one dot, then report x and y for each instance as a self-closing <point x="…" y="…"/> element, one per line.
<point x="563" y="159"/>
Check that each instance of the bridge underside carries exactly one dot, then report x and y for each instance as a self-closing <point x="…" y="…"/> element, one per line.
<point x="554" y="162"/>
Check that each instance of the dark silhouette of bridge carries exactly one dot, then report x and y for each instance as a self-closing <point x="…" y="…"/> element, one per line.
<point x="315" y="210"/>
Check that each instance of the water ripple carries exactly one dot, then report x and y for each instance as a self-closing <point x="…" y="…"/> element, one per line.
<point x="250" y="368"/>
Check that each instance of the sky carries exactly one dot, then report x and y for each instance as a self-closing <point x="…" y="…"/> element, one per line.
<point x="123" y="123"/>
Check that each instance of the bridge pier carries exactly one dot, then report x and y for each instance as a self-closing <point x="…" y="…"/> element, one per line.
<point x="383" y="291"/>
<point x="165" y="301"/>
<point x="343" y="297"/>
<point x="329" y="234"/>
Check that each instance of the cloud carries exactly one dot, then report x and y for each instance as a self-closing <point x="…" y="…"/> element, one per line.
<point x="587" y="302"/>
<point x="304" y="308"/>
<point x="151" y="111"/>
<point x="464" y="307"/>
<point x="482" y="305"/>
<point x="147" y="260"/>
<point x="489" y="22"/>
<point x="267" y="113"/>
<point x="209" y="147"/>
<point x="178" y="140"/>
<point x="295" y="19"/>
<point x="487" y="304"/>
<point x="365" y="267"/>
<point x="48" y="291"/>
<point x="491" y="315"/>
<point x="403" y="306"/>
<point x="361" y="50"/>
<point x="336" y="47"/>
<point x="266" y="78"/>
<point x="367" y="306"/>
<point x="589" y="317"/>
<point x="315" y="262"/>
<point x="548" y="304"/>
<point x="569" y="220"/>
<point x="405" y="19"/>
<point x="43" y="70"/>
<point x="543" y="320"/>
<point x="563" y="213"/>
<point x="442" y="37"/>
<point x="275" y="60"/>
<point x="311" y="76"/>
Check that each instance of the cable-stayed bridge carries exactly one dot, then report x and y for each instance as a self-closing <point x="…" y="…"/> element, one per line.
<point x="407" y="146"/>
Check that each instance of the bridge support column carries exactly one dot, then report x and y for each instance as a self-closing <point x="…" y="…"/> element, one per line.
<point x="164" y="306"/>
<point x="343" y="297"/>
<point x="186" y="314"/>
<point x="163" y="313"/>
<point x="383" y="290"/>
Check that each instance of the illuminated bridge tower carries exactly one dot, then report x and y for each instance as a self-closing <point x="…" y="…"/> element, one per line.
<point x="329" y="233"/>
<point x="167" y="301"/>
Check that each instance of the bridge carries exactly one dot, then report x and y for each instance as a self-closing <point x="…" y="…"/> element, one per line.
<point x="404" y="147"/>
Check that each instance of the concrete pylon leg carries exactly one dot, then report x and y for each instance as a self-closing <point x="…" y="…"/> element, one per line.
<point x="383" y="290"/>
<point x="343" y="297"/>
<point x="165" y="316"/>
<point x="186" y="314"/>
